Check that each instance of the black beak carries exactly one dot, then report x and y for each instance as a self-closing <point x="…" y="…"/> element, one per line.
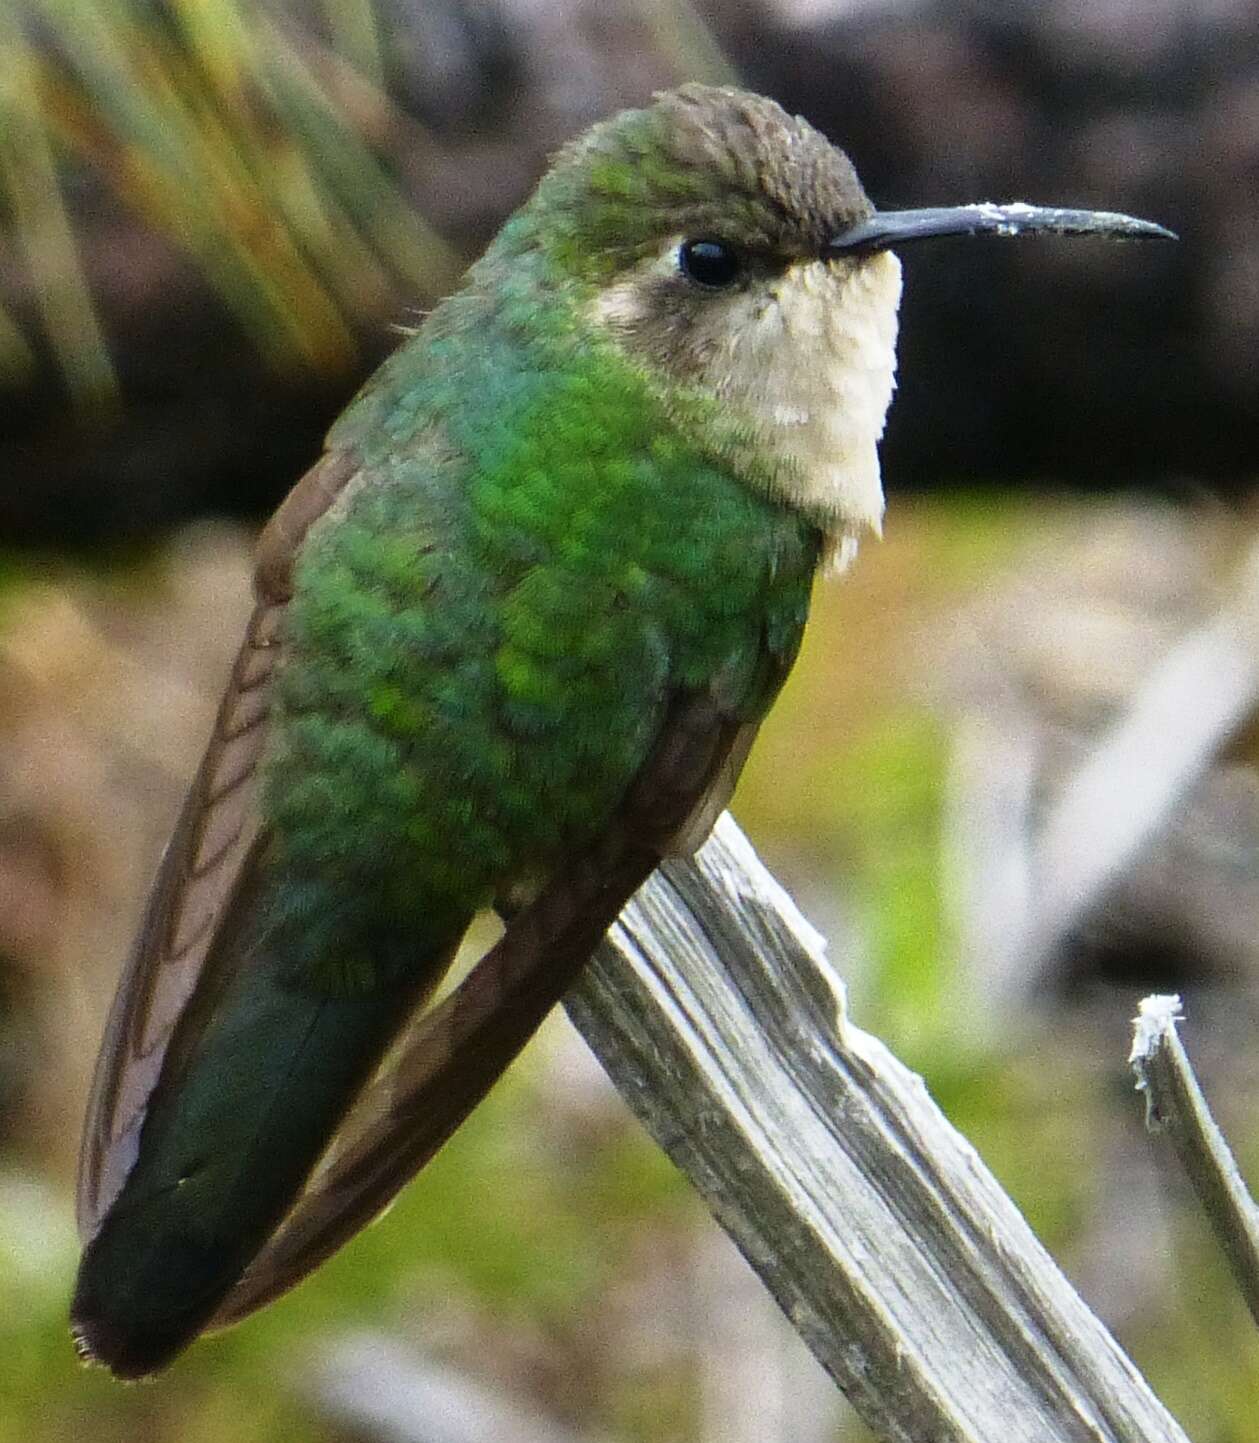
<point x="888" y="228"/>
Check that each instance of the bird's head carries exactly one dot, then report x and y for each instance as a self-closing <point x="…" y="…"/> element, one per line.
<point x="729" y="250"/>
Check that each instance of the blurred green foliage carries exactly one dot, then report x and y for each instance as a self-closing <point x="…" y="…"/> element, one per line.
<point x="242" y="139"/>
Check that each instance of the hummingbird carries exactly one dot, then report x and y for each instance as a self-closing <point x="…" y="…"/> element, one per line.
<point x="514" y="635"/>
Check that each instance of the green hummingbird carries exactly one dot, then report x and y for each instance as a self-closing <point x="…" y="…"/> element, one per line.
<point x="514" y="635"/>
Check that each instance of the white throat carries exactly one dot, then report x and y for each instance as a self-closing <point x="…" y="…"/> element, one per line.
<point x="814" y="369"/>
<point x="804" y="366"/>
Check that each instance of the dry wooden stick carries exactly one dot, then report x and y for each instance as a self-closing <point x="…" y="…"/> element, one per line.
<point x="1175" y="1106"/>
<point x="885" y="1240"/>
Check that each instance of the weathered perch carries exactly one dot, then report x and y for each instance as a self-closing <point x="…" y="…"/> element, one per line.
<point x="884" y="1238"/>
<point x="1176" y="1107"/>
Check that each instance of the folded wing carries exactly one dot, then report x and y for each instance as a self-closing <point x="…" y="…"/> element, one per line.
<point x="201" y="871"/>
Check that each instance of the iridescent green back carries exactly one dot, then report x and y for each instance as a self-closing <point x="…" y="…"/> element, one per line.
<point x="485" y="634"/>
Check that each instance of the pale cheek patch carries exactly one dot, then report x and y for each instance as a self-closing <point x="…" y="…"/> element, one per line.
<point x="806" y="363"/>
<point x="812" y="365"/>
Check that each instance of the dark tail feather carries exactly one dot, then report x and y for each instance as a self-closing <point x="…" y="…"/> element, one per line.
<point x="222" y="1154"/>
<point x="443" y="1066"/>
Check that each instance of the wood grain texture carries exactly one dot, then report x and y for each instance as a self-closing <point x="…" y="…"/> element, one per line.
<point x="887" y="1243"/>
<point x="1176" y="1107"/>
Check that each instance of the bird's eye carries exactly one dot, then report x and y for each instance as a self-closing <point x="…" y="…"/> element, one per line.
<point x="709" y="263"/>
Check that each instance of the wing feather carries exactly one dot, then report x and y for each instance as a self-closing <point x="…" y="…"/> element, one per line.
<point x="217" y="833"/>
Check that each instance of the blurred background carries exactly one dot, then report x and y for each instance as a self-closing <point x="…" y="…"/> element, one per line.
<point x="1013" y="777"/>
